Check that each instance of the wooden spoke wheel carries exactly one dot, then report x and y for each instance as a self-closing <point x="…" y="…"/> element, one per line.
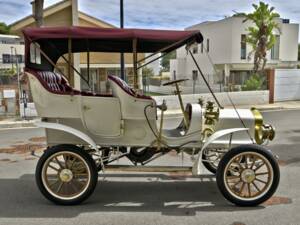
<point x="211" y="158"/>
<point x="248" y="175"/>
<point x="66" y="174"/>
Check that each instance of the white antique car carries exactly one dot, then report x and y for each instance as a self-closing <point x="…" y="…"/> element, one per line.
<point x="84" y="128"/>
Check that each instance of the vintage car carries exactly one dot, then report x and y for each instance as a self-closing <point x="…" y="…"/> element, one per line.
<point x="85" y="130"/>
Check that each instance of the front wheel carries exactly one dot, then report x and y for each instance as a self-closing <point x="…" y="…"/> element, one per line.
<point x="66" y="174"/>
<point x="248" y="175"/>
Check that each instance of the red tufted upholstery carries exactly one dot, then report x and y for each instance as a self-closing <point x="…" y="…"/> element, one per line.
<point x="124" y="86"/>
<point x="57" y="84"/>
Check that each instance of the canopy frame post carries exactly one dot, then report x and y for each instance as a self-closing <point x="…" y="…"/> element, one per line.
<point x="67" y="61"/>
<point x="88" y="61"/>
<point x="135" y="69"/>
<point x="69" y="58"/>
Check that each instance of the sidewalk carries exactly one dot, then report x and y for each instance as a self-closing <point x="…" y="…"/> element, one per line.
<point x="17" y="123"/>
<point x="288" y="105"/>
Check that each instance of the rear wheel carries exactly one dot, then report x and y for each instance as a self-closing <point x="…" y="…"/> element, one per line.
<point x="248" y="175"/>
<point x="66" y="174"/>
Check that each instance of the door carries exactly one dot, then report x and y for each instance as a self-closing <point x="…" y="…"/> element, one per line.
<point x="101" y="115"/>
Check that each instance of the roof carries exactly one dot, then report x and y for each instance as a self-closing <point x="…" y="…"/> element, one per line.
<point x="9" y="36"/>
<point x="26" y="21"/>
<point x="54" y="40"/>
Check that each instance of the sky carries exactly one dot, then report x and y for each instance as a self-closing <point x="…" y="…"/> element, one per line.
<point x="160" y="14"/>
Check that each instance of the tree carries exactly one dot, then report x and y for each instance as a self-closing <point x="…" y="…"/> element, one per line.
<point x="260" y="36"/>
<point x="4" y="28"/>
<point x="165" y="61"/>
<point x="38" y="12"/>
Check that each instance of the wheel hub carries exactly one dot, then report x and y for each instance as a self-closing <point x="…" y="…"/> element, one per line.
<point x="66" y="175"/>
<point x="248" y="175"/>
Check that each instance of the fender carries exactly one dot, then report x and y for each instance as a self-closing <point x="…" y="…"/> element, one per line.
<point x="196" y="167"/>
<point x="67" y="129"/>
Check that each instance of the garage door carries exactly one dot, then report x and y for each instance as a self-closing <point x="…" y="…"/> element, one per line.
<point x="287" y="84"/>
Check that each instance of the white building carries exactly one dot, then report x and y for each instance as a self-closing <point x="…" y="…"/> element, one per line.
<point x="155" y="65"/>
<point x="224" y="42"/>
<point x="11" y="52"/>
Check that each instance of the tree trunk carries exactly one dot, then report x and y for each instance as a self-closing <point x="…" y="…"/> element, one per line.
<point x="38" y="12"/>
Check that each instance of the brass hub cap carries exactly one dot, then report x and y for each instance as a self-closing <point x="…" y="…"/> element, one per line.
<point x="66" y="175"/>
<point x="248" y="175"/>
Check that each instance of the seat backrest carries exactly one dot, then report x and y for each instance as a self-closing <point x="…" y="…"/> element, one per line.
<point x="58" y="84"/>
<point x="55" y="82"/>
<point x="125" y="87"/>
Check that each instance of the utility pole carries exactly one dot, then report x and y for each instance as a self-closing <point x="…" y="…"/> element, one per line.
<point x="123" y="75"/>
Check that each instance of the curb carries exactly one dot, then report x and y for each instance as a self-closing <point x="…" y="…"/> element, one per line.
<point x="18" y="124"/>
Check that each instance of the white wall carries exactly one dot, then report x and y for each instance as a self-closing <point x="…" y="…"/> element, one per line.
<point x="6" y="49"/>
<point x="155" y="66"/>
<point x="287" y="84"/>
<point x="288" y="50"/>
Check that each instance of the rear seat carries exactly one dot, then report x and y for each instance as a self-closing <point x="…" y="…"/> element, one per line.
<point x="57" y="84"/>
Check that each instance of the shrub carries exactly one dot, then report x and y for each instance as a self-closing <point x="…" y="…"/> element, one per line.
<point x="255" y="82"/>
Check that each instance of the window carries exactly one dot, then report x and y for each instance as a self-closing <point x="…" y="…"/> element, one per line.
<point x="207" y="45"/>
<point x="243" y="46"/>
<point x="275" y="48"/>
<point x="35" y="54"/>
<point x="195" y="49"/>
<point x="202" y="47"/>
<point x="8" y="58"/>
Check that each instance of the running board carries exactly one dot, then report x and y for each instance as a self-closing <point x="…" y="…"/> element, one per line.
<point x="129" y="168"/>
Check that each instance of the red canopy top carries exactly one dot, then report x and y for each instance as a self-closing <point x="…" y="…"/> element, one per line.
<point x="112" y="34"/>
<point x="54" y="40"/>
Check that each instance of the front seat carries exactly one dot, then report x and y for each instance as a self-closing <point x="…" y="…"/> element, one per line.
<point x="132" y="103"/>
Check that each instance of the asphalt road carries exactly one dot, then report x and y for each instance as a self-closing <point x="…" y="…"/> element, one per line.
<point x="128" y="198"/>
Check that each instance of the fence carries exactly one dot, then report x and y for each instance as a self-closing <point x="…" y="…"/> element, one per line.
<point x="8" y="100"/>
<point x="286" y="84"/>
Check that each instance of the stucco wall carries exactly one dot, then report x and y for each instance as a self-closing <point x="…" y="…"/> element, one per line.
<point x="239" y="98"/>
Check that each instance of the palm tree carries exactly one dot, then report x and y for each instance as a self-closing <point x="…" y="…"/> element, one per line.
<point x="260" y="35"/>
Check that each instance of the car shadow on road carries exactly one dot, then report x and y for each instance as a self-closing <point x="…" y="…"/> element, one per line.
<point x="174" y="196"/>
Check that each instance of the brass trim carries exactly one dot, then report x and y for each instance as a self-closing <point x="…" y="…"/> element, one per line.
<point x="258" y="123"/>
<point x="262" y="131"/>
<point x="178" y="92"/>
